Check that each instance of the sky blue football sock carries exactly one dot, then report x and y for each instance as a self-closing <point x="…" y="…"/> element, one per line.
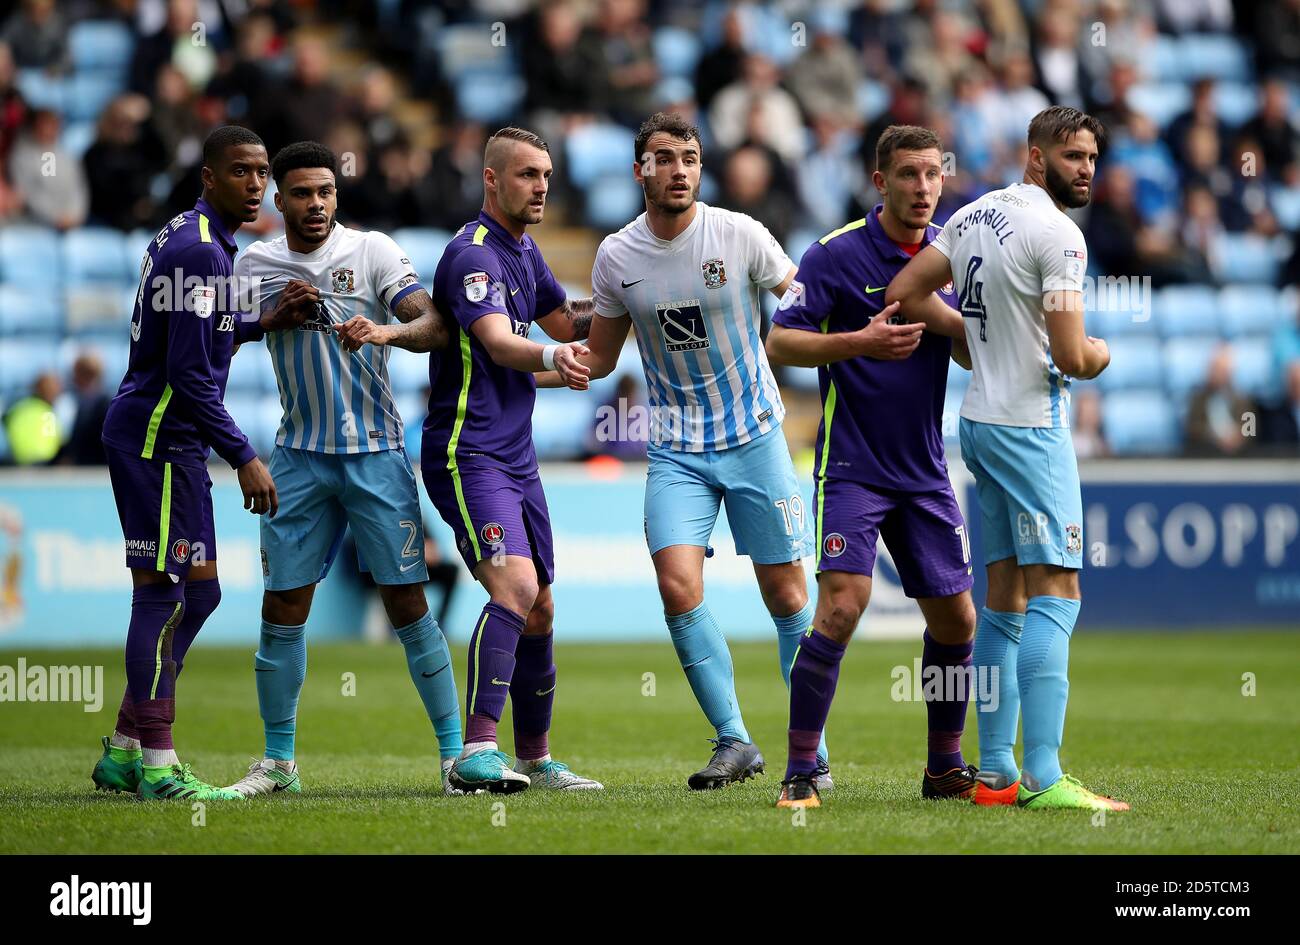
<point x="789" y="631"/>
<point x="997" y="642"/>
<point x="1045" y="684"/>
<point x="281" y="667"/>
<point x="429" y="661"/>
<point x="702" y="650"/>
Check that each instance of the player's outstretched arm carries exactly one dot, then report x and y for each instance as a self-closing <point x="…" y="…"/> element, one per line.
<point x="496" y="333"/>
<point x="570" y="321"/>
<point x="1073" y="351"/>
<point x="914" y="289"/>
<point x="420" y="327"/>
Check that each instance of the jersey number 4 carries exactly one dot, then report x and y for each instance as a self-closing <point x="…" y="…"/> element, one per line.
<point x="971" y="299"/>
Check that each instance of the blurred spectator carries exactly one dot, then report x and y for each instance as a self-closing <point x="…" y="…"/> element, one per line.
<point x="1137" y="146"/>
<point x="1275" y="130"/>
<point x="38" y="36"/>
<point x="84" y="447"/>
<point x="830" y="177"/>
<point x="376" y="97"/>
<point x="1286" y="344"/>
<point x="1277" y="37"/>
<point x="1056" y="56"/>
<point x="1246" y="207"/>
<point x="120" y="165"/>
<point x="32" y="425"/>
<point x="1201" y="115"/>
<point x="176" y="43"/>
<point x="1089" y="440"/>
<point x="977" y="123"/>
<point x="758" y="109"/>
<point x="452" y="192"/>
<point x="48" y="180"/>
<point x="749" y="186"/>
<point x="1119" y="32"/>
<point x="243" y="77"/>
<point x="173" y="125"/>
<point x="1018" y="101"/>
<point x="724" y="64"/>
<point x="626" y="73"/>
<point x="558" y="70"/>
<point x="1279" y="426"/>
<point x="12" y="108"/>
<point x="938" y="52"/>
<point x="1202" y="231"/>
<point x="825" y="77"/>
<point x="1215" y="412"/>
<point x="1191" y="16"/>
<point x="307" y="103"/>
<point x="906" y="107"/>
<point x="385" y="198"/>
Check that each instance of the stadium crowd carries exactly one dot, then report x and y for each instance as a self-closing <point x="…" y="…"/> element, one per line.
<point x="104" y="105"/>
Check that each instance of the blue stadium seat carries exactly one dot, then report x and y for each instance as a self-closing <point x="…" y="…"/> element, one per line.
<point x="1135" y="362"/>
<point x="1163" y="60"/>
<point x="1216" y="55"/>
<point x="676" y="51"/>
<point x="800" y="378"/>
<point x="1186" y="362"/>
<point x="77" y="137"/>
<point x="412" y="409"/>
<point x="408" y="372"/>
<point x="629" y="362"/>
<point x="1140" y="423"/>
<point x="21" y="360"/>
<point x="598" y="150"/>
<point x="1251" y="309"/>
<point x="87" y="93"/>
<point x="40" y="90"/>
<point x="424" y="247"/>
<point x="251" y="371"/>
<point x="1247" y="257"/>
<point x="562" y="422"/>
<point x="97" y="308"/>
<point x="1160" y="101"/>
<point x="100" y="44"/>
<point x="798" y="242"/>
<point x="1236" y="102"/>
<point x="1252" y="367"/>
<point x="467" y="48"/>
<point x="872" y="99"/>
<point x="31" y="256"/>
<point x="95" y="254"/>
<point x="28" y="311"/>
<point x="135" y="244"/>
<point x="258" y="417"/>
<point x="489" y="97"/>
<point x="1286" y="207"/>
<point x="1187" y="310"/>
<point x="1121" y="316"/>
<point x="613" y="201"/>
<point x="115" y="353"/>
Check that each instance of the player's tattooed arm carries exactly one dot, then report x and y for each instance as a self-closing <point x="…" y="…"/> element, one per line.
<point x="570" y="321"/>
<point x="420" y="327"/>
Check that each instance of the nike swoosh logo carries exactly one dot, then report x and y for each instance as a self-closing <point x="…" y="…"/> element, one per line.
<point x="497" y="682"/>
<point x="547" y="692"/>
<point x="628" y="285"/>
<point x="513" y="292"/>
<point x="431" y="675"/>
<point x="870" y="290"/>
<point x="408" y="567"/>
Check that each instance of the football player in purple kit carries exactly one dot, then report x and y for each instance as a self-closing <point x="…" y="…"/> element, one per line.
<point x="167" y="416"/>
<point x="478" y="463"/>
<point x="880" y="468"/>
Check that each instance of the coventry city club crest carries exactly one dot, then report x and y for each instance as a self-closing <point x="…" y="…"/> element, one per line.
<point x="342" y="279"/>
<point x="715" y="274"/>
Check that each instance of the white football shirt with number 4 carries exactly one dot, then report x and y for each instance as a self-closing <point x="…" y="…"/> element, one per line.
<point x="1006" y="249"/>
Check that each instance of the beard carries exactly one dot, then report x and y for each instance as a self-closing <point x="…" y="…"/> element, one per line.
<point x="306" y="237"/>
<point x="664" y="203"/>
<point x="1063" y="192"/>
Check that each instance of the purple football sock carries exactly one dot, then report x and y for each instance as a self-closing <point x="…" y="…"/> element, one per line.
<point x="532" y="694"/>
<point x="813" y="677"/>
<point x="156" y="611"/>
<point x="946" y="715"/>
<point x="491" y="667"/>
<point x="201" y="599"/>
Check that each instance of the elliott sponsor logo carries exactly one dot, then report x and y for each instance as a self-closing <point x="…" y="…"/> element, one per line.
<point x="75" y="898"/>
<point x="25" y="683"/>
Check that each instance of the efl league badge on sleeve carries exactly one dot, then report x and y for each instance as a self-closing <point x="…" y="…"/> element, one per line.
<point x="203" y="299"/>
<point x="343" y="282"/>
<point x="715" y="274"/>
<point x="1073" y="539"/>
<point x="476" y="286"/>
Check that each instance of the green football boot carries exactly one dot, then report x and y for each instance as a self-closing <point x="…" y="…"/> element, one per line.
<point x="1066" y="794"/>
<point x="118" y="769"/>
<point x="179" y="783"/>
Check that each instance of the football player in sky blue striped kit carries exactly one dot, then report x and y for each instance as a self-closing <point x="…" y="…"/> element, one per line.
<point x="167" y="416"/>
<point x="1019" y="263"/>
<point x="339" y="456"/>
<point x="687" y="277"/>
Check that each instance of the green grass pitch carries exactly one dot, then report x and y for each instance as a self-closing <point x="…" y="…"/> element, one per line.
<point x="1159" y="720"/>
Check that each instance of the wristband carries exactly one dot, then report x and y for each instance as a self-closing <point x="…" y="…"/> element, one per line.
<point x="548" y="356"/>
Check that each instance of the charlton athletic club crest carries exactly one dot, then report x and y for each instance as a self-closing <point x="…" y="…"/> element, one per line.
<point x="834" y="544"/>
<point x="715" y="274"/>
<point x="493" y="533"/>
<point x="180" y="550"/>
<point x="342" y="279"/>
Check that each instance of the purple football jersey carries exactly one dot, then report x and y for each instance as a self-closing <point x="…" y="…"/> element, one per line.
<point x="882" y="421"/>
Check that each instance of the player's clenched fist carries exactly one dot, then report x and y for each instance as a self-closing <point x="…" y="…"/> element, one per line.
<point x="359" y="330"/>
<point x="572" y="371"/>
<point x="296" y="302"/>
<point x="885" y="342"/>
<point x="258" y="487"/>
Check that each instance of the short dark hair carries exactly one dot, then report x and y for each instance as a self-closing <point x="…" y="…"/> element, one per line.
<point x="1059" y="122"/>
<point x="904" y="137"/>
<point x="302" y="154"/>
<point x="492" y="151"/>
<point x="227" y="136"/>
<point x="668" y="122"/>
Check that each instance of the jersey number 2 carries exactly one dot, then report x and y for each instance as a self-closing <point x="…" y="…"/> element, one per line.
<point x="972" y="296"/>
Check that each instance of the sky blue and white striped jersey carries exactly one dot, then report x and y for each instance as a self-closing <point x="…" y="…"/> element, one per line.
<point x="334" y="401"/>
<point x="694" y="302"/>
